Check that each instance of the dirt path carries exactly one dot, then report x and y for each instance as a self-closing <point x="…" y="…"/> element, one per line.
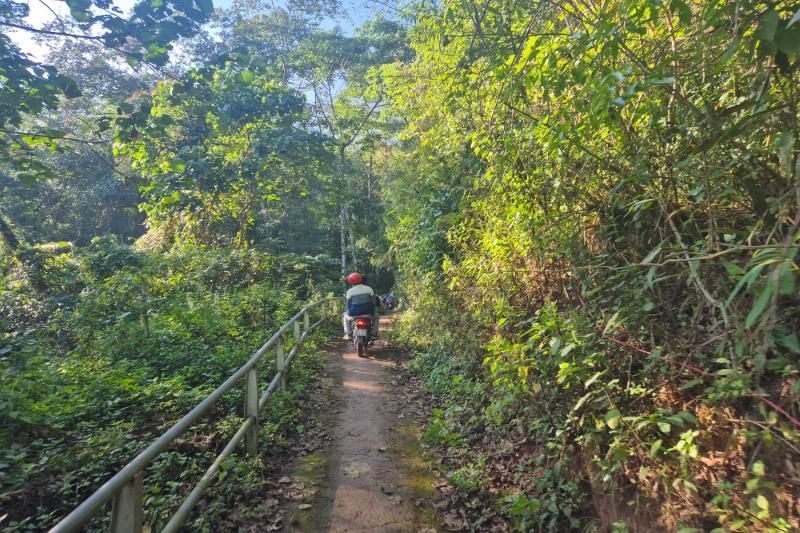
<point x="374" y="477"/>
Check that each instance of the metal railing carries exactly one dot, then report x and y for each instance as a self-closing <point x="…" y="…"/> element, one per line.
<point x="125" y="487"/>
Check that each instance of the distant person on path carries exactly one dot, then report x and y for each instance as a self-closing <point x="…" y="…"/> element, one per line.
<point x="360" y="301"/>
<point x="391" y="301"/>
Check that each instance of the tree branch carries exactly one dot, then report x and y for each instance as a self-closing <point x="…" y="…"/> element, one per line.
<point x="45" y="136"/>
<point x="51" y="32"/>
<point x="363" y="121"/>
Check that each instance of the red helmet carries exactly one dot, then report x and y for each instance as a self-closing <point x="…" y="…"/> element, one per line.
<point x="354" y="278"/>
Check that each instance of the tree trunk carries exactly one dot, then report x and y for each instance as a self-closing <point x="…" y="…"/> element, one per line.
<point x="369" y="180"/>
<point x="343" y="237"/>
<point x="8" y="234"/>
<point x="353" y="248"/>
<point x="343" y="211"/>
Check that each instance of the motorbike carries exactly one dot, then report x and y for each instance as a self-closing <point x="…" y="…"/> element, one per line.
<point x="362" y="333"/>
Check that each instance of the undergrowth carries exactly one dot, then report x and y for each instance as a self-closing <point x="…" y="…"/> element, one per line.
<point x="104" y="348"/>
<point x="567" y="431"/>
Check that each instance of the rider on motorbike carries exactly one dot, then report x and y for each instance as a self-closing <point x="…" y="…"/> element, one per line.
<point x="360" y="300"/>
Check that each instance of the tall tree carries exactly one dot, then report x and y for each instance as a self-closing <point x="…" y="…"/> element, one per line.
<point x="31" y="87"/>
<point x="220" y="152"/>
<point x="340" y="73"/>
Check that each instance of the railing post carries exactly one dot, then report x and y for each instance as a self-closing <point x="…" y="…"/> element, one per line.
<point x="251" y="411"/>
<point x="305" y="321"/>
<point x="281" y="364"/>
<point x="126" y="511"/>
<point x="296" y="325"/>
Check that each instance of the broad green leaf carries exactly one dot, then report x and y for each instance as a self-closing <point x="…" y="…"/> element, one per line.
<point x="747" y="279"/>
<point x="762" y="502"/>
<point x="759" y="306"/>
<point x="612" y="418"/>
<point x="767" y="26"/>
<point x="788" y="341"/>
<point x="691" y="384"/>
<point x="662" y="81"/>
<point x="675" y="420"/>
<point x="27" y="178"/>
<point x="789" y="41"/>
<point x="582" y="401"/>
<point x="730" y="51"/>
<point x="794" y="19"/>
<point x="683" y="10"/>
<point x="651" y="273"/>
<point x="734" y="270"/>
<point x="787" y="278"/>
<point x="612" y="323"/>
<point x="592" y="379"/>
<point x="655" y="447"/>
<point x="649" y="257"/>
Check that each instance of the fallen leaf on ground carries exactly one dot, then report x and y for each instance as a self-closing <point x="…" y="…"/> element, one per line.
<point x="304" y="506"/>
<point x="351" y="472"/>
<point x="453" y="522"/>
<point x="285" y="479"/>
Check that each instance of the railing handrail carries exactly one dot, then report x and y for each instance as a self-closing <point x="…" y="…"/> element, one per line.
<point x="86" y="510"/>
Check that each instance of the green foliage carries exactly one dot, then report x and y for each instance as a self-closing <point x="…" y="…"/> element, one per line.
<point x="597" y="208"/>
<point x="229" y="169"/>
<point x="103" y="347"/>
<point x="226" y="152"/>
<point x="31" y="87"/>
<point x="523" y="509"/>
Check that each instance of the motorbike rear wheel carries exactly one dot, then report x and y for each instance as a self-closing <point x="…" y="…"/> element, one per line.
<point x="361" y="346"/>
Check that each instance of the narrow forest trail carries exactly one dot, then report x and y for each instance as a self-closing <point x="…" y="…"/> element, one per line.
<point x="374" y="476"/>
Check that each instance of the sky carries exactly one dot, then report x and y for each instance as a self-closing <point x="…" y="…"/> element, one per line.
<point x="42" y="12"/>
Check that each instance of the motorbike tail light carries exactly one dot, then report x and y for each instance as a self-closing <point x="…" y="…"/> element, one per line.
<point x="362" y="323"/>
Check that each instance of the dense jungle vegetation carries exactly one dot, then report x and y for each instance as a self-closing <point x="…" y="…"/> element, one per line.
<point x="169" y="199"/>
<point x="591" y="211"/>
<point x="611" y="191"/>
